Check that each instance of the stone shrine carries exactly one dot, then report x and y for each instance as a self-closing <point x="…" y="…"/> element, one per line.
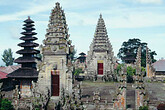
<point x="56" y="67"/>
<point x="100" y="58"/>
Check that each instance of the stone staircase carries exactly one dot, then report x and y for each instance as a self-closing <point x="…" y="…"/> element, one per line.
<point x="130" y="97"/>
<point x="51" y="104"/>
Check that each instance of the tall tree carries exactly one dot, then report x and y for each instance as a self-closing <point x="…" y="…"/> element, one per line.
<point x="7" y="57"/>
<point x="72" y="55"/>
<point x="132" y="46"/>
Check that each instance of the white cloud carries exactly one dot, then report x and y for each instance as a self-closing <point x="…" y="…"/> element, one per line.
<point x="128" y="19"/>
<point x="76" y="19"/>
<point x="136" y="20"/>
<point x="15" y="32"/>
<point x="34" y="9"/>
<point x="150" y="1"/>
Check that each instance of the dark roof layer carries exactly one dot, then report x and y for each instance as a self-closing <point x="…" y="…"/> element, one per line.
<point x="28" y="25"/>
<point x="25" y="60"/>
<point x="82" y="53"/>
<point x="28" y="28"/>
<point x="31" y="51"/>
<point x="29" y="20"/>
<point x="28" y="38"/>
<point x="31" y="44"/>
<point x="24" y="72"/>
<point x="28" y="33"/>
<point x="81" y="57"/>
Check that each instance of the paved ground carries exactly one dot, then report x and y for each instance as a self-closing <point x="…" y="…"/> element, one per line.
<point x="107" y="90"/>
<point x="156" y="92"/>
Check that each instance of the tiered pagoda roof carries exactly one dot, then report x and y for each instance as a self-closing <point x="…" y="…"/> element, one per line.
<point x="28" y="61"/>
<point x="82" y="54"/>
<point x="101" y="40"/>
<point x="82" y="57"/>
<point x="57" y="37"/>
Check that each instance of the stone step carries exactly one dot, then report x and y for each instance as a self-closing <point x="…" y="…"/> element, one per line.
<point x="130" y="97"/>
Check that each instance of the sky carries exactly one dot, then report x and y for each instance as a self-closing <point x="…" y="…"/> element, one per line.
<point x="124" y="19"/>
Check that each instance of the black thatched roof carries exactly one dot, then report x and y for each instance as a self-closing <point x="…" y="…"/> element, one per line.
<point x="30" y="44"/>
<point x="28" y="59"/>
<point x="28" y="38"/>
<point x="81" y="57"/>
<point x="21" y="60"/>
<point x="24" y="72"/>
<point x="28" y="25"/>
<point x="28" y="28"/>
<point x="82" y="53"/>
<point x="28" y="33"/>
<point x="29" y="20"/>
<point x="33" y="51"/>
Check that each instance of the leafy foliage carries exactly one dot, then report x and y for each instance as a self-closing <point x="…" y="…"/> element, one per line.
<point x="72" y="55"/>
<point x="132" y="46"/>
<point x="143" y="108"/>
<point x="7" y="57"/>
<point x="39" y="56"/>
<point x="130" y="72"/>
<point x="117" y="70"/>
<point x="6" y="105"/>
<point x="78" y="71"/>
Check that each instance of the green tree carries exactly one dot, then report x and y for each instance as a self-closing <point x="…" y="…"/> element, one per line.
<point x="118" y="69"/>
<point x="6" y="105"/>
<point x="7" y="57"/>
<point x="130" y="72"/>
<point x="72" y="55"/>
<point x="132" y="46"/>
<point x="78" y="71"/>
<point x="143" y="108"/>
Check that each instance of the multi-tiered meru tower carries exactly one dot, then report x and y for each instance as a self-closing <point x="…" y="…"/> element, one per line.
<point x="28" y="72"/>
<point x="56" y="67"/>
<point x="100" y="58"/>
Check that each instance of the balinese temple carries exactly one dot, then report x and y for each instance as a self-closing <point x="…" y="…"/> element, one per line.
<point x="81" y="61"/>
<point x="56" y="67"/>
<point x="28" y="72"/>
<point x="100" y="58"/>
<point x="82" y="57"/>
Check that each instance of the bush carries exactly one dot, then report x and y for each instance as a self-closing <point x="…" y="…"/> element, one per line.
<point x="118" y="69"/>
<point x="78" y="71"/>
<point x="130" y="72"/>
<point x="6" y="105"/>
<point x="143" y="108"/>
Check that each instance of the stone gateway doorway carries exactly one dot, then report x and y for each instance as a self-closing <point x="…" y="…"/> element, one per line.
<point x="100" y="67"/>
<point x="55" y="84"/>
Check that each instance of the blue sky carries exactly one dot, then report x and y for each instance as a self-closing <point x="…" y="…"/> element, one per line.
<point x="125" y="19"/>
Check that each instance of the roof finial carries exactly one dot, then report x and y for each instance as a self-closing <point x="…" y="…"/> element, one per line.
<point x="100" y="15"/>
<point x="28" y="17"/>
<point x="57" y="4"/>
